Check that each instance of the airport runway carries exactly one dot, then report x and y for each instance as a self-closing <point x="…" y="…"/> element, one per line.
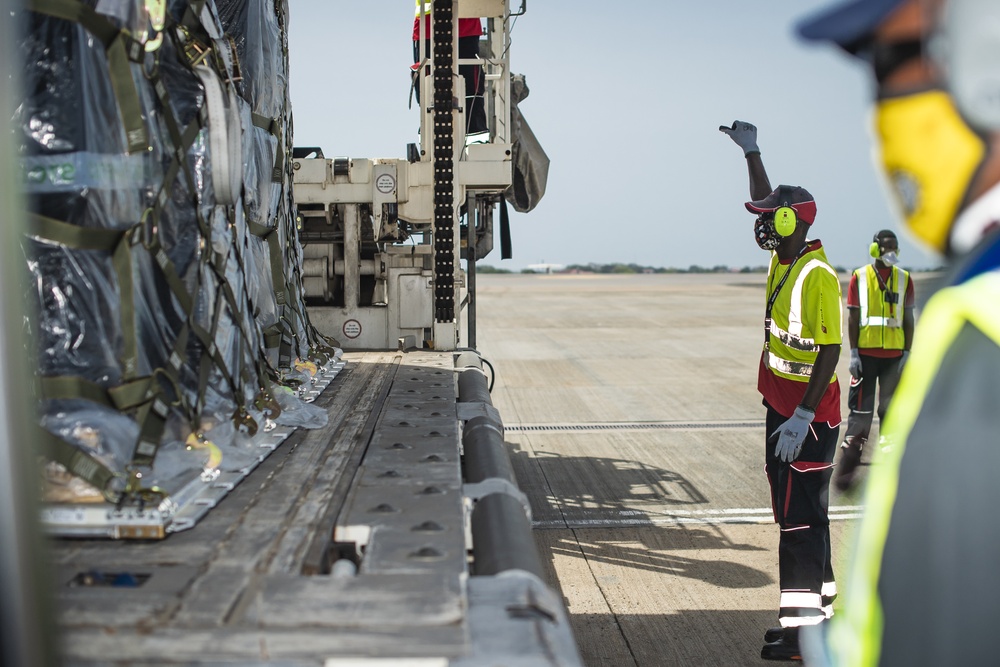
<point x="636" y="430"/>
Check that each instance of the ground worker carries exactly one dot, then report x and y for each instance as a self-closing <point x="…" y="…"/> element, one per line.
<point x="923" y="586"/>
<point x="880" y="331"/>
<point x="796" y="376"/>
<point x="469" y="32"/>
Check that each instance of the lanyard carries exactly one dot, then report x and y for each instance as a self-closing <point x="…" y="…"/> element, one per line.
<point x="774" y="297"/>
<point x="887" y="293"/>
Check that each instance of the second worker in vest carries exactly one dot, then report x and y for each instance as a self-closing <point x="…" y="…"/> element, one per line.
<point x="880" y="331"/>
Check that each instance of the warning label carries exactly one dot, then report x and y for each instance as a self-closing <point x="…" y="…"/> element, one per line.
<point x="352" y="329"/>
<point x="385" y="183"/>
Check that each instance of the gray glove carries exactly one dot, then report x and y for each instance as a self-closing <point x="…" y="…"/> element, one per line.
<point x="792" y="434"/>
<point x="856" y="363"/>
<point x="902" y="360"/>
<point x="744" y="134"/>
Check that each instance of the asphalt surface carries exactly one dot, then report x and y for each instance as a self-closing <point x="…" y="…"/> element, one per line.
<point x="636" y="430"/>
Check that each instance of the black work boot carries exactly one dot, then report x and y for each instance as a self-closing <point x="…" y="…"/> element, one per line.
<point x="846" y="474"/>
<point x="785" y="648"/>
<point x="773" y="634"/>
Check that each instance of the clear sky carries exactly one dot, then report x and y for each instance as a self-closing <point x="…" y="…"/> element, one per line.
<point x="626" y="99"/>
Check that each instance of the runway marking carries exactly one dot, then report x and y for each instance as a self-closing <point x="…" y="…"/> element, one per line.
<point x="634" y="518"/>
<point x="630" y="426"/>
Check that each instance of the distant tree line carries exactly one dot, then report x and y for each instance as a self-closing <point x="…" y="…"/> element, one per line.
<point x="636" y="268"/>
<point x="631" y="268"/>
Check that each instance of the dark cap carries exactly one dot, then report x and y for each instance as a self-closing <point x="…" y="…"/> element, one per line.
<point x="884" y="234"/>
<point x="787" y="195"/>
<point x="847" y="24"/>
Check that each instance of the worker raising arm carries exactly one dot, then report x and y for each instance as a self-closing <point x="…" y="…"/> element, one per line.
<point x="796" y="377"/>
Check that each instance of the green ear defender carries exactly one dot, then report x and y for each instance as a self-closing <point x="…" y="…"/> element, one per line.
<point x="785" y="220"/>
<point x="874" y="250"/>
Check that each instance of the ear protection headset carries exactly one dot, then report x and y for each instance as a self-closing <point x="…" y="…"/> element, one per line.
<point x="875" y="250"/>
<point x="968" y="49"/>
<point x="785" y="219"/>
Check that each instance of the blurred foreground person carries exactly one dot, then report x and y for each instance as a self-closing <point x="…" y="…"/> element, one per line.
<point x="797" y="378"/>
<point x="880" y="332"/>
<point x="923" y="586"/>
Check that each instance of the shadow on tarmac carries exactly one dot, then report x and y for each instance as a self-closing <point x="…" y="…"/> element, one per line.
<point x="619" y="512"/>
<point x="612" y="517"/>
<point x="702" y="638"/>
<point x="656" y="549"/>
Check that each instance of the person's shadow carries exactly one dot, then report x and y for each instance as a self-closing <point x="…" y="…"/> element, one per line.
<point x="623" y="520"/>
<point x="599" y="497"/>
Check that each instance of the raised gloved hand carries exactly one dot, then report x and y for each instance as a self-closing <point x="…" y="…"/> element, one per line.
<point x="792" y="434"/>
<point x="856" y="363"/>
<point x="744" y="134"/>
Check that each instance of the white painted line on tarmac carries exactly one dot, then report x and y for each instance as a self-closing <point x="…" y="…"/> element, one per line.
<point x="633" y="518"/>
<point x="590" y="427"/>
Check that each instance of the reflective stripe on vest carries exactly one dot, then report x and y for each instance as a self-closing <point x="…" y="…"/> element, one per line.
<point x="792" y="338"/>
<point x="856" y="634"/>
<point x="776" y="363"/>
<point x="877" y="330"/>
<point x="427" y="7"/>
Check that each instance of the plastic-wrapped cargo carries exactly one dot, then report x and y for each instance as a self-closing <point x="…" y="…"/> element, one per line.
<point x="163" y="254"/>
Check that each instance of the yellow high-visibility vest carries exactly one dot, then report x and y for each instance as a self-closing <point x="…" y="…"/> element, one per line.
<point x="856" y="633"/>
<point x="881" y="322"/>
<point x="812" y="286"/>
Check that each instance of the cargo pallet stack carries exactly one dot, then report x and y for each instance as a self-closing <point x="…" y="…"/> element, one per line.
<point x="174" y="349"/>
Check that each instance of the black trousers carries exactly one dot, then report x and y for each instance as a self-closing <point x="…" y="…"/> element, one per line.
<point x="861" y="397"/>
<point x="475" y="83"/>
<point x="800" y="498"/>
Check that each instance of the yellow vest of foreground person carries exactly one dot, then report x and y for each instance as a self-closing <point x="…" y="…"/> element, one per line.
<point x="811" y="286"/>
<point x="856" y="634"/>
<point x="881" y="323"/>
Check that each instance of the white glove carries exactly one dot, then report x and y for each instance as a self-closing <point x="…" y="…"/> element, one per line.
<point x="792" y="434"/>
<point x="856" y="363"/>
<point x="744" y="134"/>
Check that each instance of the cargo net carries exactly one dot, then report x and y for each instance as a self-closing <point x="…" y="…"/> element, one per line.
<point x="162" y="250"/>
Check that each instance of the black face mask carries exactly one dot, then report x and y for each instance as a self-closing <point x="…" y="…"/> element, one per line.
<point x="885" y="59"/>
<point x="764" y="232"/>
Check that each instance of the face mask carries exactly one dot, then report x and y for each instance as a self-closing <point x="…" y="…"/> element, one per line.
<point x="889" y="258"/>
<point x="930" y="157"/>
<point x="765" y="234"/>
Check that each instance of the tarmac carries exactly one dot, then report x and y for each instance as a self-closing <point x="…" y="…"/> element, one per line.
<point x="636" y="430"/>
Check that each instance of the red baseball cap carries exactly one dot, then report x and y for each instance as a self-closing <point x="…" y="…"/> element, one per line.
<point x="794" y="196"/>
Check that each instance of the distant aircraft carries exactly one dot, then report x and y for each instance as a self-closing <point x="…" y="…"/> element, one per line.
<point x="545" y="268"/>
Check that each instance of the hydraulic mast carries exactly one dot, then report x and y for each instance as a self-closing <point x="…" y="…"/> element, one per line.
<point x="384" y="236"/>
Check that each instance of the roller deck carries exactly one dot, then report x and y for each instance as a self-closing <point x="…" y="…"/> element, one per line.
<point x="349" y="541"/>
